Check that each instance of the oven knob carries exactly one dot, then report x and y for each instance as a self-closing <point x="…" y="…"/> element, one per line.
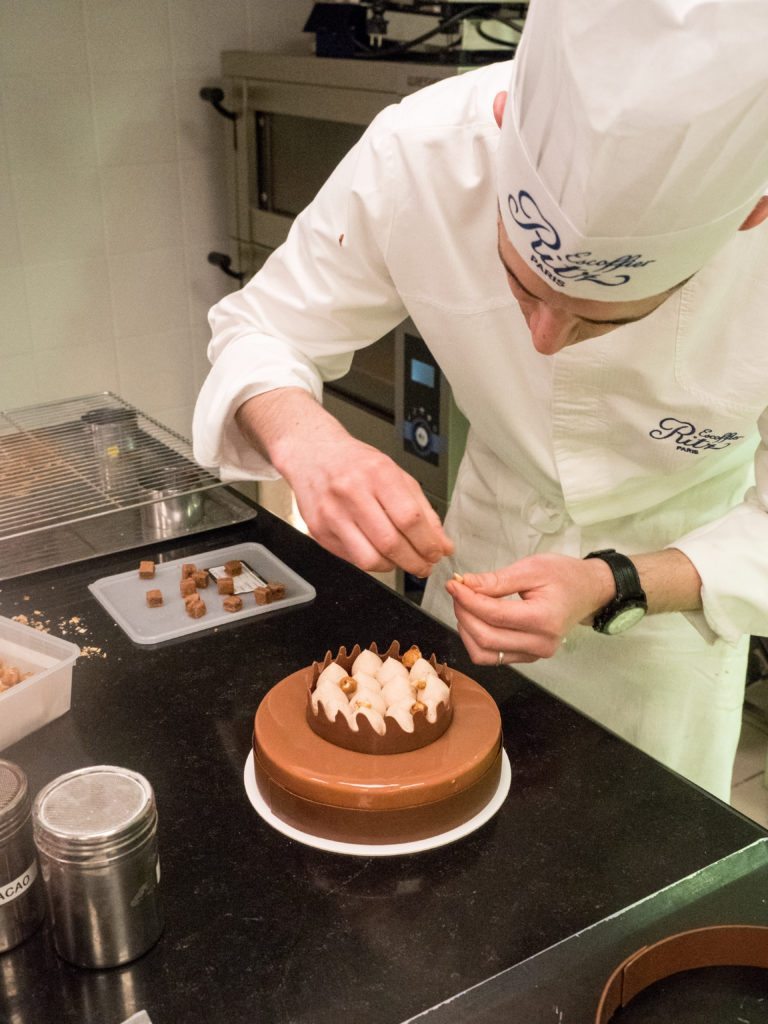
<point x="422" y="436"/>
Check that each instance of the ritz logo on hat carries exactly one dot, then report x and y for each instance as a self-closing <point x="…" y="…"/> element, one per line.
<point x="559" y="268"/>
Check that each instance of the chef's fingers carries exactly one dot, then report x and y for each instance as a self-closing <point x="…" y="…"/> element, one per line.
<point x="499" y="582"/>
<point x="483" y="656"/>
<point x="350" y="543"/>
<point x="540" y="641"/>
<point x="346" y="489"/>
<point x="385" y="536"/>
<point x="417" y="521"/>
<point x="361" y="531"/>
<point x="407" y="507"/>
<point x="512" y="613"/>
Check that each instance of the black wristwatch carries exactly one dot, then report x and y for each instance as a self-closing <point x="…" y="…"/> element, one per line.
<point x="630" y="604"/>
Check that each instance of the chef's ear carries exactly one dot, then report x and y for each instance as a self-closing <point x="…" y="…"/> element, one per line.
<point x="499" y="102"/>
<point x="758" y="215"/>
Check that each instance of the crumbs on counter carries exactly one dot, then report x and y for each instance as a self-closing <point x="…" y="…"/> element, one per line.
<point x="92" y="652"/>
<point x="65" y="627"/>
<point x="35" y="621"/>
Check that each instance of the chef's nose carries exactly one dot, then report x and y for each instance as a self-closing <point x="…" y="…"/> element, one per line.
<point x="551" y="330"/>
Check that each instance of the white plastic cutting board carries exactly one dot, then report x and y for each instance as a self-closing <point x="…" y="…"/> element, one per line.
<point x="124" y="595"/>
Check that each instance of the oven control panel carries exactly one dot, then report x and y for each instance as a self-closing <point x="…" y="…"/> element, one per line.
<point x="421" y="401"/>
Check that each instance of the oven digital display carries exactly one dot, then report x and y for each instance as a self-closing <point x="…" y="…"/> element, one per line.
<point x="422" y="373"/>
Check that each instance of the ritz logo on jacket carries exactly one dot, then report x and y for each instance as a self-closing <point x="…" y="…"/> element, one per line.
<point x="687" y="438"/>
<point x="576" y="266"/>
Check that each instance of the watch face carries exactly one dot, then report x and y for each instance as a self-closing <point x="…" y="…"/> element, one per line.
<point x="624" y="619"/>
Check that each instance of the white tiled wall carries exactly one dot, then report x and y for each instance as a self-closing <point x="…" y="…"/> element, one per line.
<point x="111" y="192"/>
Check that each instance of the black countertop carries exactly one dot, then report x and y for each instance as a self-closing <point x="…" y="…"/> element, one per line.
<point x="261" y="928"/>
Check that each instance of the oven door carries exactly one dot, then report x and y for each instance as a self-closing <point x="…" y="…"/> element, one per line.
<point x="292" y="137"/>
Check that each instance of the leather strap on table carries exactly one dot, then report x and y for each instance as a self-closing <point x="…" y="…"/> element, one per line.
<point x="717" y="946"/>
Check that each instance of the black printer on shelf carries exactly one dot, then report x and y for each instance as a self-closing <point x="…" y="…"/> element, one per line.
<point x="464" y="33"/>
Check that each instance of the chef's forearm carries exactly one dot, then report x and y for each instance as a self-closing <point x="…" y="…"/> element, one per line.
<point x="670" y="581"/>
<point x="278" y="421"/>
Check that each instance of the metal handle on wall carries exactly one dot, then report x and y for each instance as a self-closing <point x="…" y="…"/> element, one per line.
<point x="214" y="96"/>
<point x="224" y="263"/>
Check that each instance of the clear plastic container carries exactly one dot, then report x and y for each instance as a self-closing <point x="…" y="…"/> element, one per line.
<point x="47" y="693"/>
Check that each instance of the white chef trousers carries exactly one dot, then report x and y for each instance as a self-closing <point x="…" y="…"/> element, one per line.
<point x="661" y="686"/>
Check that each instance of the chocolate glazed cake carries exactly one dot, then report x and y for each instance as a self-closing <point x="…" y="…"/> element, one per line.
<point x="348" y="795"/>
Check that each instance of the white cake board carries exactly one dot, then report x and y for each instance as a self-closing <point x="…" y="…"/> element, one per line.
<point x="381" y="849"/>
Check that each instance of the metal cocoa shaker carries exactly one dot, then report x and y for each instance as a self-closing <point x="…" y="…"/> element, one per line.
<point x="21" y="892"/>
<point x="96" y="835"/>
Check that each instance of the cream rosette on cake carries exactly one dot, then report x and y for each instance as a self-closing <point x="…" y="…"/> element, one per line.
<point x="375" y="703"/>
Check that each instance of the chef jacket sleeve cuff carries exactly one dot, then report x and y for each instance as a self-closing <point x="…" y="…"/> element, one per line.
<point x="731" y="557"/>
<point x="248" y="366"/>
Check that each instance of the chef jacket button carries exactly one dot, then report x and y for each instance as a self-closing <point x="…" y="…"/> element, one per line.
<point x="544" y="516"/>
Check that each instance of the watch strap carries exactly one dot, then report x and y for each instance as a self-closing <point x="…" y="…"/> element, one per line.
<point x="629" y="590"/>
<point x="716" y="946"/>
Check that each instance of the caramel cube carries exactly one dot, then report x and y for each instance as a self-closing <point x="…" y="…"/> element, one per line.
<point x="201" y="579"/>
<point x="233" y="603"/>
<point x="154" y="598"/>
<point x="276" y="590"/>
<point x="146" y="570"/>
<point x="196" y="608"/>
<point x="187" y="570"/>
<point x="262" y="595"/>
<point x="225" y="585"/>
<point x="187" y="586"/>
<point x="233" y="568"/>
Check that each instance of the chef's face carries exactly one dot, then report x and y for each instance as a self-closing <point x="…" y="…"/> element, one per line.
<point x="556" y="320"/>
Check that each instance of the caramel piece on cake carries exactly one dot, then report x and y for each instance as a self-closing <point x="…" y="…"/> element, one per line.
<point x="187" y="586"/>
<point x="196" y="608"/>
<point x="262" y="595"/>
<point x="276" y="590"/>
<point x="201" y="579"/>
<point x="411" y="656"/>
<point x="225" y="585"/>
<point x="233" y="568"/>
<point x="146" y="570"/>
<point x="187" y="570"/>
<point x="233" y="603"/>
<point x="154" y="598"/>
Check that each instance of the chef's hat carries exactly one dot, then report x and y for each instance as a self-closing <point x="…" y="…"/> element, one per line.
<point x="635" y="139"/>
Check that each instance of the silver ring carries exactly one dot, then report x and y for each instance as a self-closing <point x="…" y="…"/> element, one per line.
<point x="500" y="659"/>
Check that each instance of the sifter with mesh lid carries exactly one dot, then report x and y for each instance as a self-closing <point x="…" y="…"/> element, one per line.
<point x="96" y="835"/>
<point x="21" y="894"/>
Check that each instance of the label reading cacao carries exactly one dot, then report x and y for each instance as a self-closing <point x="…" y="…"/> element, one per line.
<point x="9" y="891"/>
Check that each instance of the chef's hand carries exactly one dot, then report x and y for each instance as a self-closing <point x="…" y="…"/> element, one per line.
<point x="555" y="592"/>
<point x="355" y="500"/>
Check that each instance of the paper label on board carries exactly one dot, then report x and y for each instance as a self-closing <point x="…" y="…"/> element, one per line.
<point x="244" y="583"/>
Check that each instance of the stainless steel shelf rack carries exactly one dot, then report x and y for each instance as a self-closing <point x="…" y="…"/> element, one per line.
<point x="78" y="476"/>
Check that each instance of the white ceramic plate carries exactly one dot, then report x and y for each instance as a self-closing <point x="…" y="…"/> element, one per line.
<point x="381" y="850"/>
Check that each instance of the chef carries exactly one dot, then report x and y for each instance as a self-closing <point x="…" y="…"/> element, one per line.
<point x="578" y="236"/>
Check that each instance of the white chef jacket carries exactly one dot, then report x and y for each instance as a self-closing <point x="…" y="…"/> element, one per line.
<point x="644" y="438"/>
